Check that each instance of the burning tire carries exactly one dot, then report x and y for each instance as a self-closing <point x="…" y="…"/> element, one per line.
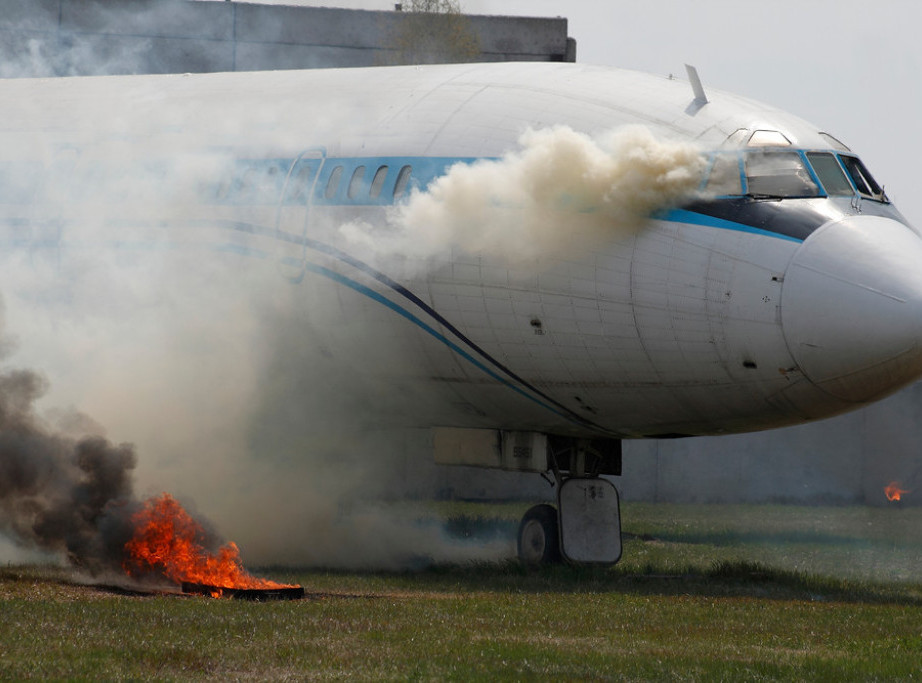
<point x="254" y="594"/>
<point x="539" y="536"/>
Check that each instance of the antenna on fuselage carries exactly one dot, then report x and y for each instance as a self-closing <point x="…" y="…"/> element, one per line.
<point x="700" y="98"/>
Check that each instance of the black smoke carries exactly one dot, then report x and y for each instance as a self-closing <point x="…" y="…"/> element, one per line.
<point x="59" y="493"/>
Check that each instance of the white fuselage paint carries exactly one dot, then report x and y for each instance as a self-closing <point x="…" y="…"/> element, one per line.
<point x="680" y="327"/>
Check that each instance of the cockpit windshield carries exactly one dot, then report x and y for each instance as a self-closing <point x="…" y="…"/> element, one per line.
<point x="831" y="174"/>
<point x="772" y="173"/>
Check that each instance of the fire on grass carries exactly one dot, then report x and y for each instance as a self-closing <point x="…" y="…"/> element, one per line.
<point x="894" y="492"/>
<point x="167" y="542"/>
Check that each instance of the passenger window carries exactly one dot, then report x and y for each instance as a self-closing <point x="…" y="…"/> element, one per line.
<point x="724" y="178"/>
<point x="403" y="179"/>
<point x="830" y="173"/>
<point x="247" y="185"/>
<point x="270" y="182"/>
<point x="778" y="174"/>
<point x="258" y="181"/>
<point x="378" y="182"/>
<point x="355" y="185"/>
<point x="333" y="182"/>
<point x="299" y="185"/>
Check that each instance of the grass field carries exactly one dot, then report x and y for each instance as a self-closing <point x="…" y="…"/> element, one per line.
<point x="703" y="593"/>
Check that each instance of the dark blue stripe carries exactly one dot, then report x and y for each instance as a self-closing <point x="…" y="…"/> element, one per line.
<point x="400" y="310"/>
<point x="409" y="295"/>
<point x="695" y="218"/>
<point x="348" y="259"/>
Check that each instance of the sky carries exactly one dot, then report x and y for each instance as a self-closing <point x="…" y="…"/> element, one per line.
<point x="851" y="68"/>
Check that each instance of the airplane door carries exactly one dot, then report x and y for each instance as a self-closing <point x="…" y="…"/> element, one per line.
<point x="293" y="212"/>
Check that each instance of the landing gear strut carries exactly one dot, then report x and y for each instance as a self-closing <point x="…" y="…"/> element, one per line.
<point x="586" y="526"/>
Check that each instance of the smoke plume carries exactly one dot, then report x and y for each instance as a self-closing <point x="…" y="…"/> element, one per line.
<point x="254" y="394"/>
<point x="562" y="188"/>
<point x="58" y="493"/>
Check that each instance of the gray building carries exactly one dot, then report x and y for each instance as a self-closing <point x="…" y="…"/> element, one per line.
<point x="95" y="37"/>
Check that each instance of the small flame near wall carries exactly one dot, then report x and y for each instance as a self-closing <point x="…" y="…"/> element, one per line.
<point x="893" y="491"/>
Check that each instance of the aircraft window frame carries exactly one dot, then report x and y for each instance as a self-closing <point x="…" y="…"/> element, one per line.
<point x="737" y="138"/>
<point x="781" y="182"/>
<point x="768" y="138"/>
<point x="257" y="182"/>
<point x="266" y="180"/>
<point x="823" y="172"/>
<point x="355" y="183"/>
<point x="298" y="189"/>
<point x="864" y="182"/>
<point x="377" y="183"/>
<point x="734" y="175"/>
<point x="836" y="144"/>
<point x="332" y="185"/>
<point x="403" y="181"/>
<point x="829" y="171"/>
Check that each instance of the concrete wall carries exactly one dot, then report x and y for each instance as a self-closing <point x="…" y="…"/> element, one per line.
<point x="84" y="37"/>
<point x="842" y="460"/>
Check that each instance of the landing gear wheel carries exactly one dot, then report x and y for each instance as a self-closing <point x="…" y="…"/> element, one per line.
<point x="539" y="536"/>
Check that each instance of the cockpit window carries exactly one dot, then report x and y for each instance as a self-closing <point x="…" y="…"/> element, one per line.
<point x="768" y="138"/>
<point x="778" y="174"/>
<point x="774" y="173"/>
<point x="830" y="173"/>
<point x="864" y="182"/>
<point x="835" y="143"/>
<point x="724" y="177"/>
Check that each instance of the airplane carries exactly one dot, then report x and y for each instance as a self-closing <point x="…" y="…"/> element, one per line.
<point x="783" y="288"/>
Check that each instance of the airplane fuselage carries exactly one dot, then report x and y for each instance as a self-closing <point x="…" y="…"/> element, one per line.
<point x="787" y="290"/>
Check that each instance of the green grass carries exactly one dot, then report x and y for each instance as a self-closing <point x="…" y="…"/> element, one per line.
<point x="714" y="593"/>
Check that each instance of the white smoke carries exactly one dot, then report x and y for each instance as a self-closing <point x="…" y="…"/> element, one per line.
<point x="208" y="362"/>
<point x="256" y="397"/>
<point x="561" y="188"/>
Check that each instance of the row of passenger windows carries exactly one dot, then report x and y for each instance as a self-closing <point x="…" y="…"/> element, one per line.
<point x="754" y="172"/>
<point x="357" y="186"/>
<point x="790" y="173"/>
<point x="263" y="182"/>
<point x="245" y="181"/>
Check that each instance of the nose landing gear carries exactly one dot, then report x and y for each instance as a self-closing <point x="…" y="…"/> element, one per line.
<point x="539" y="536"/>
<point x="586" y="526"/>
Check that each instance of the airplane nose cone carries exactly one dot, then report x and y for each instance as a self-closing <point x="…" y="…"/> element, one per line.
<point x="851" y="307"/>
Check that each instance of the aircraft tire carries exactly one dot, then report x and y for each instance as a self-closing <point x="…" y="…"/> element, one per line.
<point x="539" y="536"/>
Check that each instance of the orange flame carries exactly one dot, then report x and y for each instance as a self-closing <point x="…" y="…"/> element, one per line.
<point x="166" y="541"/>
<point x="893" y="491"/>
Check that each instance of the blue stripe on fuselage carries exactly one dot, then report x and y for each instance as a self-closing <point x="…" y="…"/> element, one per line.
<point x="351" y="182"/>
<point x="403" y="312"/>
<point x="694" y="218"/>
<point x="426" y="170"/>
